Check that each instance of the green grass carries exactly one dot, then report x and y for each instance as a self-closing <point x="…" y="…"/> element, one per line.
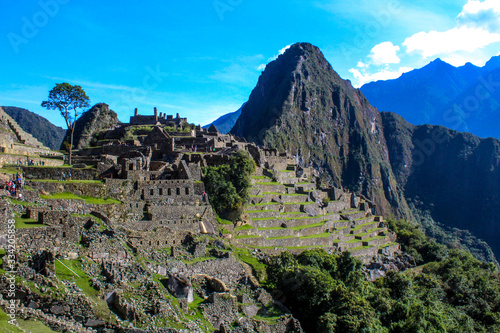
<point x="83" y="282"/>
<point x="244" y="227"/>
<point x="256" y="196"/>
<point x="268" y="183"/>
<point x="225" y="231"/>
<point x="66" y="181"/>
<point x="387" y="245"/>
<point x="291" y="213"/>
<point x="304" y="183"/>
<point x="301" y="227"/>
<point x="258" y="267"/>
<point x="31" y="325"/>
<point x="88" y="200"/>
<point x="323" y="235"/>
<point x="285" y="194"/>
<point x="223" y="221"/>
<point x="22" y="203"/>
<point x="373" y="238"/>
<point x="260" y="211"/>
<point x="23" y="223"/>
<point x="259" y="177"/>
<point x="359" y="227"/>
<point x="11" y="170"/>
<point x="263" y="204"/>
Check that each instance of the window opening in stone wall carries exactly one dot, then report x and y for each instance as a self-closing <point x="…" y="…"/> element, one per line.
<point x="178" y="191"/>
<point x="187" y="190"/>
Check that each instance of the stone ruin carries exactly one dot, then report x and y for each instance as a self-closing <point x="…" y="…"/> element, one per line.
<point x="161" y="206"/>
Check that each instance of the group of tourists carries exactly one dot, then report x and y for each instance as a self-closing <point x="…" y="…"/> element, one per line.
<point x="14" y="185"/>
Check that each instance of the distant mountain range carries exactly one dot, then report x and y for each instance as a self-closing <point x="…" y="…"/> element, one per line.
<point x="226" y="122"/>
<point x="42" y="129"/>
<point x="426" y="173"/>
<point x="464" y="98"/>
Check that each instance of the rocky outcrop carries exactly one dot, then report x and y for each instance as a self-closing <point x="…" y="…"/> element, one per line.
<point x="97" y="119"/>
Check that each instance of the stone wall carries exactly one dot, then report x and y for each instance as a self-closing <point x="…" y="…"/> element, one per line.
<point x="60" y="173"/>
<point x="96" y="190"/>
<point x="14" y="159"/>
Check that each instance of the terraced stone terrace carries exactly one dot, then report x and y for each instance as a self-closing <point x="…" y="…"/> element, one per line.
<point x="287" y="210"/>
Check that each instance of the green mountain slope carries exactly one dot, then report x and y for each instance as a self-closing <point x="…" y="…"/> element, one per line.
<point x="422" y="173"/>
<point x="42" y="129"/>
<point x="301" y="105"/>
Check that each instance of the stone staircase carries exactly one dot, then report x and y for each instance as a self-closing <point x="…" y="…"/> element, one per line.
<point x="287" y="212"/>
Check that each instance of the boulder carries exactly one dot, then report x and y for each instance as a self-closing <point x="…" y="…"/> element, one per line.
<point x="180" y="287"/>
<point x="94" y="323"/>
<point x="311" y="210"/>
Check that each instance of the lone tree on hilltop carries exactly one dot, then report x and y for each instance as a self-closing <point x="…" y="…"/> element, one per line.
<point x="69" y="100"/>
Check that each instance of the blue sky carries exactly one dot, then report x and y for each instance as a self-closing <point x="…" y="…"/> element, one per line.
<point x="201" y="58"/>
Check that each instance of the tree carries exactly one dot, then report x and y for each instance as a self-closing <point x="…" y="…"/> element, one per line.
<point x="69" y="100"/>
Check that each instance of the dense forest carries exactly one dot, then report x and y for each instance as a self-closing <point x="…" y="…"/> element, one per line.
<point x="449" y="290"/>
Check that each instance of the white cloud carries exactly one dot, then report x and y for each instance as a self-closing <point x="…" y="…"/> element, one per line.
<point x="476" y="6"/>
<point x="361" y="65"/>
<point x="484" y="14"/>
<point x="477" y="26"/>
<point x="280" y="52"/>
<point x="463" y="38"/>
<point x="385" y="53"/>
<point x="363" y="77"/>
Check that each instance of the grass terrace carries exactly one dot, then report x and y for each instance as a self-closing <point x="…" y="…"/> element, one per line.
<point x="323" y="235"/>
<point x="319" y="224"/>
<point x="88" y="200"/>
<point x="244" y="227"/>
<point x="246" y="236"/>
<point x="387" y="245"/>
<point x="359" y="248"/>
<point x="66" y="181"/>
<point x="23" y="223"/>
<point x="260" y="211"/>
